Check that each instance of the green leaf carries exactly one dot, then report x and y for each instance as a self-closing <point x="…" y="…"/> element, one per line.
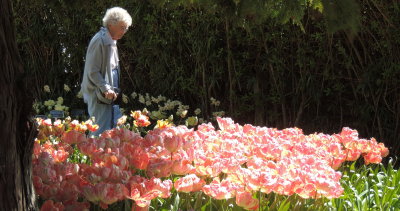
<point x="176" y="203"/>
<point x="204" y="207"/>
<point x="285" y="205"/>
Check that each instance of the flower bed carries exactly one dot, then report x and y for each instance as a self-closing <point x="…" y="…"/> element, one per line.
<point x="235" y="162"/>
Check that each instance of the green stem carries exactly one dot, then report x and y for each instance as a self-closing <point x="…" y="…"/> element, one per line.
<point x="210" y="204"/>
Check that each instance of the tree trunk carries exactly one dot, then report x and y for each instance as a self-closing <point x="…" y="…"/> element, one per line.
<point x="17" y="132"/>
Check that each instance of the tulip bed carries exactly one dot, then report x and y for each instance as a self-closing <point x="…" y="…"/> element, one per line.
<point x="234" y="167"/>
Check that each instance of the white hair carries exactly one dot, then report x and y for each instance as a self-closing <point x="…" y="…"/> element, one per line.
<point x="115" y="15"/>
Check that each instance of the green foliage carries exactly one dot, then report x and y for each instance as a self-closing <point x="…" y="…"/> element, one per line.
<point x="78" y="157"/>
<point x="369" y="187"/>
<point x="339" y="14"/>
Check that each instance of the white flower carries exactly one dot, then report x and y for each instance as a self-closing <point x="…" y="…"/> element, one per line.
<point x="122" y="120"/>
<point x="148" y="103"/>
<point x="134" y="95"/>
<point x="124" y="98"/>
<point x="154" y="100"/>
<point x="49" y="103"/>
<point x="183" y="113"/>
<point x="148" y="98"/>
<point x="141" y="99"/>
<point x="59" y="107"/>
<point x="46" y="88"/>
<point x="37" y="105"/>
<point x="157" y="115"/>
<point x="161" y="98"/>
<point x="66" y="88"/>
<point x="197" y="111"/>
<point x="79" y="95"/>
<point x="158" y="99"/>
<point x="60" y="100"/>
<point x="184" y="107"/>
<point x="214" y="102"/>
<point x="218" y="113"/>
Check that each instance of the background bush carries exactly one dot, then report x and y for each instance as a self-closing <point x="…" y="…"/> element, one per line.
<point x="269" y="72"/>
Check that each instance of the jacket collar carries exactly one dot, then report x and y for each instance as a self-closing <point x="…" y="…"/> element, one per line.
<point x="107" y="37"/>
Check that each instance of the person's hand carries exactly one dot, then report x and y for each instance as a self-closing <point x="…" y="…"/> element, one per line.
<point x="110" y="94"/>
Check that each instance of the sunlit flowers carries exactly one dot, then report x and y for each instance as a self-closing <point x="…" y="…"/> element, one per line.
<point x="141" y="120"/>
<point x="189" y="183"/>
<point x="237" y="162"/>
<point x="49" y="104"/>
<point x="91" y="126"/>
<point x="122" y="120"/>
<point x="246" y="200"/>
<point x="217" y="189"/>
<point x="163" y="124"/>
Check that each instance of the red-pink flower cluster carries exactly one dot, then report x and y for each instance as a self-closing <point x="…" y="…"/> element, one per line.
<point x="239" y="160"/>
<point x="141" y="120"/>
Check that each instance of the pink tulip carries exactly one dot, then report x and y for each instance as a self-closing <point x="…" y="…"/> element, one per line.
<point x="352" y="154"/>
<point x="129" y="136"/>
<point x="182" y="167"/>
<point x="49" y="205"/>
<point x="142" y="191"/>
<point x="159" y="168"/>
<point x="73" y="137"/>
<point x="220" y="190"/>
<point x="38" y="184"/>
<point x="246" y="200"/>
<point x="226" y="124"/>
<point x="87" y="148"/>
<point x="383" y="150"/>
<point x="50" y="191"/>
<point x="171" y="142"/>
<point x="251" y="159"/>
<point x="189" y="183"/>
<point x="67" y="192"/>
<point x="372" y="157"/>
<point x="139" y="159"/>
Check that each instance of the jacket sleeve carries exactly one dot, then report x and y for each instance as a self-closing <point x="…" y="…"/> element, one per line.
<point x="94" y="60"/>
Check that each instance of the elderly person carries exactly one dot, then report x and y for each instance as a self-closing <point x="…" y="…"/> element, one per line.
<point x="101" y="77"/>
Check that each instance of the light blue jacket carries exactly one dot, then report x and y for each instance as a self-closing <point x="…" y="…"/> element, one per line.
<point x="97" y="72"/>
